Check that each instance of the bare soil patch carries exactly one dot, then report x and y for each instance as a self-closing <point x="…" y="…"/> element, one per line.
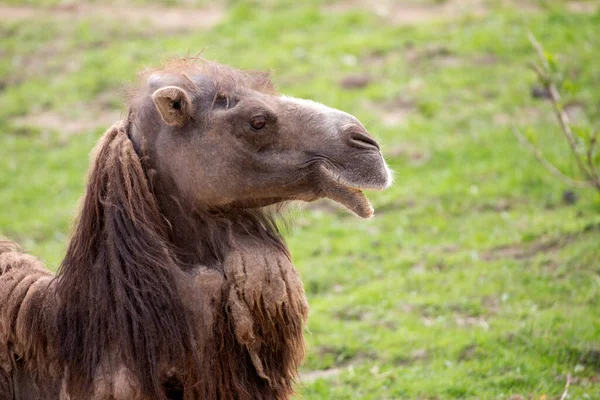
<point x="440" y="55"/>
<point x="160" y="18"/>
<point x="485" y="59"/>
<point x="409" y="13"/>
<point x="491" y="304"/>
<point x="312" y="376"/>
<point x="468" y="352"/>
<point x="66" y="126"/>
<point x="329" y="373"/>
<point x="584" y="7"/>
<point x="355" y="81"/>
<point x="468" y="321"/>
<point x="414" y="357"/>
<point x="522" y="251"/>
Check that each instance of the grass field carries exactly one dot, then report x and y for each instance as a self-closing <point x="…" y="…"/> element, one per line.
<point x="475" y="279"/>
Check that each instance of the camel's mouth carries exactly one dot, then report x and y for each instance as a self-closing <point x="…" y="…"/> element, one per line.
<point x="335" y="187"/>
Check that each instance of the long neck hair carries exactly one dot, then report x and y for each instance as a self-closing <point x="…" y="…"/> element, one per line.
<point x="117" y="287"/>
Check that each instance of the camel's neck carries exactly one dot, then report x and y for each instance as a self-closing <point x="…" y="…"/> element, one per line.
<point x="205" y="238"/>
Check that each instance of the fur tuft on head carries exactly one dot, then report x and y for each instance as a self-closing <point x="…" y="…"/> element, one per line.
<point x="227" y="80"/>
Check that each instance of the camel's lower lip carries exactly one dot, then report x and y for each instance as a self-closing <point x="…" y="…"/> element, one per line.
<point x="350" y="196"/>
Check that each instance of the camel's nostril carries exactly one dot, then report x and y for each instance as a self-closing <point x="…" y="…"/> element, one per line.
<point x="362" y="141"/>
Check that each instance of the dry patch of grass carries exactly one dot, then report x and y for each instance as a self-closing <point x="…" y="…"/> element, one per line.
<point x="584" y="7"/>
<point x="521" y="251"/>
<point x="410" y="13"/>
<point x="67" y="125"/>
<point x="164" y="19"/>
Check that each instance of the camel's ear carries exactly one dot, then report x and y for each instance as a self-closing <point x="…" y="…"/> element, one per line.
<point x="174" y="105"/>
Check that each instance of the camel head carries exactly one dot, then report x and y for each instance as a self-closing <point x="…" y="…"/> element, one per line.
<point x="221" y="137"/>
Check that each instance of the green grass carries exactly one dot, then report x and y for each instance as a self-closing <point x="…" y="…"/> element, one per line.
<point x="474" y="279"/>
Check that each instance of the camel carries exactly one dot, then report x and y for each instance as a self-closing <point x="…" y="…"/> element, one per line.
<point x="177" y="283"/>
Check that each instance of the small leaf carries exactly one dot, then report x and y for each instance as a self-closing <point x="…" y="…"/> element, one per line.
<point x="570" y="87"/>
<point x="531" y="136"/>
<point x="581" y="131"/>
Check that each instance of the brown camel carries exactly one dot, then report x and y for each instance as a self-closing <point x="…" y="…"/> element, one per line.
<point x="176" y="283"/>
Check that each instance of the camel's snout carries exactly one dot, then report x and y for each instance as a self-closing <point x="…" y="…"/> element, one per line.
<point x="358" y="164"/>
<point x="362" y="160"/>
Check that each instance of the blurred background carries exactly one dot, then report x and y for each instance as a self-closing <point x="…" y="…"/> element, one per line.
<point x="479" y="276"/>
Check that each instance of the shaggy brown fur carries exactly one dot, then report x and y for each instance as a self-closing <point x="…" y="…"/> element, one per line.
<point x="27" y="306"/>
<point x="176" y="282"/>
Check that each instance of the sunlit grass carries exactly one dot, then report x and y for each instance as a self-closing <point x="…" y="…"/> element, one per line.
<point x="474" y="279"/>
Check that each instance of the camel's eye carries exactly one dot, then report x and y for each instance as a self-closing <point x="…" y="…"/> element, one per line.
<point x="257" y="122"/>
